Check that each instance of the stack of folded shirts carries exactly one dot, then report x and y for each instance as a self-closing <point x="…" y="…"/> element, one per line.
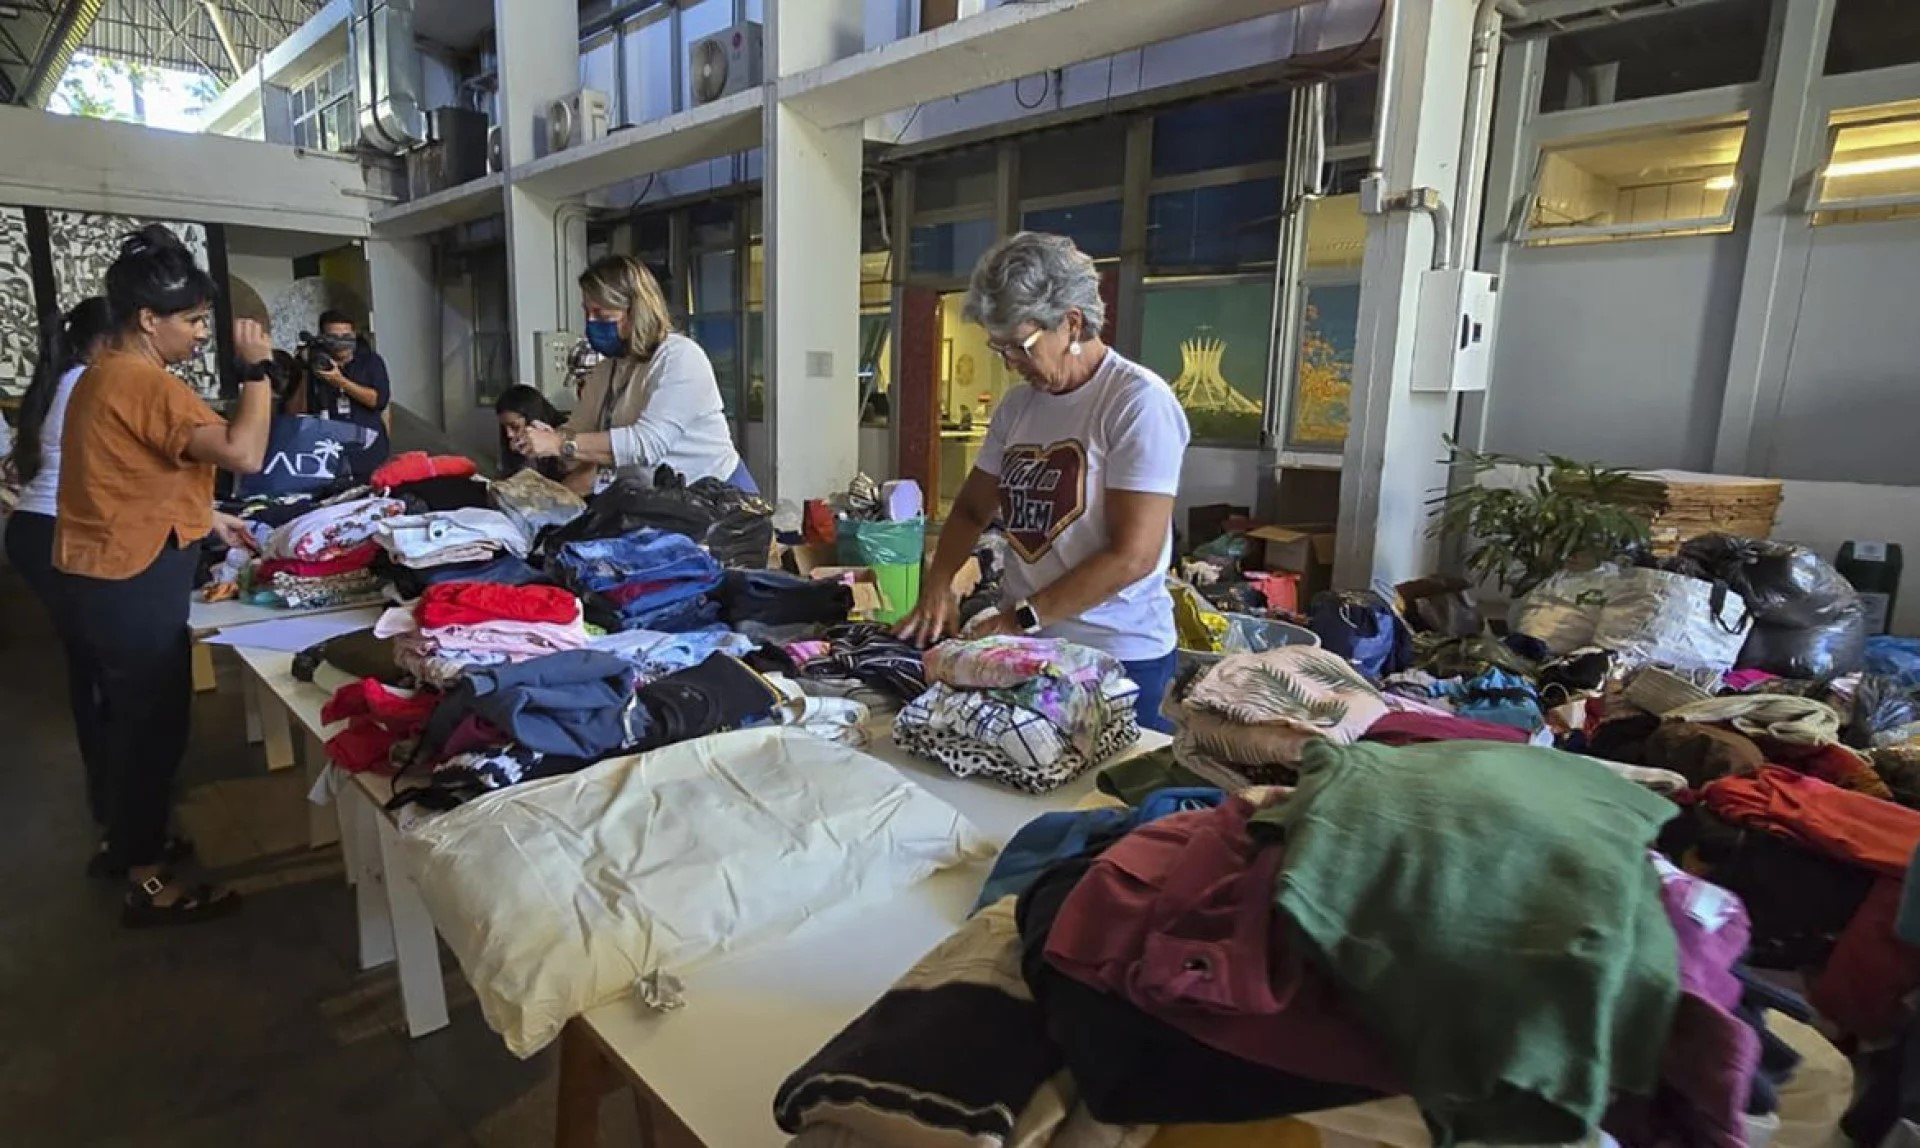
<point x="419" y="466"/>
<point x="332" y="532"/>
<point x="328" y="582"/>
<point x="646" y="580"/>
<point x="461" y="626"/>
<point x="655" y="655"/>
<point x="1247" y="719"/>
<point x="451" y="538"/>
<point x="1030" y="713"/>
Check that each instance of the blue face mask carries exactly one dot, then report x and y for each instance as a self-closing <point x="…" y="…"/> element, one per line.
<point x="603" y="335"/>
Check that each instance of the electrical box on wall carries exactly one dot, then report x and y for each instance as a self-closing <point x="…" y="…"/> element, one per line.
<point x="1453" y="337"/>
<point x="553" y="366"/>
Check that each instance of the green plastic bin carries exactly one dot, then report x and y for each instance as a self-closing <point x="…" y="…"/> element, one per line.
<point x="897" y="553"/>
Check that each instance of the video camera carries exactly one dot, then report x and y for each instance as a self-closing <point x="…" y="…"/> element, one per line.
<point x="313" y="350"/>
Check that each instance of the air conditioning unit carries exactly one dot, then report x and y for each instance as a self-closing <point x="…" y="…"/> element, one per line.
<point x="496" y="157"/>
<point x="725" y="63"/>
<point x="576" y="119"/>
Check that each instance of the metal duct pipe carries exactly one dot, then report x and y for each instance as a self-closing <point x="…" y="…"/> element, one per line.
<point x="1470" y="185"/>
<point x="218" y="17"/>
<point x="389" y="81"/>
<point x="1383" y="89"/>
<point x="74" y="25"/>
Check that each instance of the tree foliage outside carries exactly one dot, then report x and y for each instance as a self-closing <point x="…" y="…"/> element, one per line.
<point x="107" y="88"/>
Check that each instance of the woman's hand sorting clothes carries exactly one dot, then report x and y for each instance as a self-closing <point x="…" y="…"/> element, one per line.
<point x="234" y="532"/>
<point x="935" y="617"/>
<point x="538" y="440"/>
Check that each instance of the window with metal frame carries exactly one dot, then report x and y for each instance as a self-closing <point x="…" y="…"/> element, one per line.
<point x="323" y="111"/>
<point x="1872" y="34"/>
<point x="1870" y="169"/>
<point x="1673" y="179"/>
<point x="1656" y="50"/>
<point x="1210" y="337"/>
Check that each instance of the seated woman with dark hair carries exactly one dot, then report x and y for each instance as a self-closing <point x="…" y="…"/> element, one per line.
<point x="518" y="408"/>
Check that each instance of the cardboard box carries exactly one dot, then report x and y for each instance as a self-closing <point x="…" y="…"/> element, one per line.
<point x="868" y="599"/>
<point x="1306" y="550"/>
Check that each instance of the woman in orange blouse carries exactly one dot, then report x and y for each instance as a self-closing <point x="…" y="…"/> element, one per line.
<point x="136" y="499"/>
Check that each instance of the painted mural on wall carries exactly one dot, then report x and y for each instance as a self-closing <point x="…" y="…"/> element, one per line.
<point x="85" y="245"/>
<point x="19" y="331"/>
<point x="1323" y="406"/>
<point x="297" y="307"/>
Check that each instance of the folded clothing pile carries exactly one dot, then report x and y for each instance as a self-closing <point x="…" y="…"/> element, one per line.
<point x="655" y="655"/>
<point x="457" y="627"/>
<point x="297" y="584"/>
<point x="776" y="598"/>
<point x="554" y="715"/>
<point x="735" y="527"/>
<point x="646" y="580"/>
<point x="383" y="725"/>
<point x="419" y="466"/>
<point x="535" y="502"/>
<point x="451" y="538"/>
<point x="1031" y="713"/>
<point x="861" y="654"/>
<point x="1246" y="719"/>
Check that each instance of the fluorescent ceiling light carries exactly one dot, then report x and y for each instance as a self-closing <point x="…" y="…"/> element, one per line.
<point x="1720" y="183"/>
<point x="1878" y="166"/>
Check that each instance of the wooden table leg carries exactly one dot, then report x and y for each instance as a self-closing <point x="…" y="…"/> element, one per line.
<point x="323" y="821"/>
<point x="203" y="677"/>
<point x="585" y="1078"/>
<point x="423" y="994"/>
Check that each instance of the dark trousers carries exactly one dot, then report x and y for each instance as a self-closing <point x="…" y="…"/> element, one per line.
<point x="135" y="631"/>
<point x="30" y="550"/>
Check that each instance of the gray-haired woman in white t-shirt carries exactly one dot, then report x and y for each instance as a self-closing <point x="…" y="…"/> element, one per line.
<point x="1081" y="464"/>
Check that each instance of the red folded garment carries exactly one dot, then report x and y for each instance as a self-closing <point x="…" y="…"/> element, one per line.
<point x="1870" y="970"/>
<point x="418" y="464"/>
<point x="472" y="603"/>
<point x="377" y="717"/>
<point x="1833" y="822"/>
<point x="351" y="562"/>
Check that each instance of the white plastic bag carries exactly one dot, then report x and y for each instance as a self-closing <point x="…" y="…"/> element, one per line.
<point x="1653" y="617"/>
<point x="1564" y="611"/>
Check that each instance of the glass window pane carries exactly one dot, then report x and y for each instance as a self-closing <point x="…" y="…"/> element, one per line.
<point x="719" y="337"/>
<point x="650" y="53"/>
<point x="1079" y="159"/>
<point x="963" y="180"/>
<point x="1676" y="179"/>
<point x="756" y="366"/>
<point x="1322" y="403"/>
<point x="1232" y="225"/>
<point x="1336" y="233"/>
<point x="1093" y="227"/>
<point x="1871" y="34"/>
<point x="713" y="278"/>
<point x="1210" y="339"/>
<point x="1687" y="50"/>
<point x="951" y="249"/>
<point x="1874" y="170"/>
<point x="1350" y="106"/>
<point x="876" y="361"/>
<point x="1221" y="133"/>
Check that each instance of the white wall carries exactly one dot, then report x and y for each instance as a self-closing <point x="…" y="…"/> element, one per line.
<point x="123" y="169"/>
<point x="1217" y="474"/>
<point x="1615" y="352"/>
<point x="1852" y="388"/>
<point x="266" y="274"/>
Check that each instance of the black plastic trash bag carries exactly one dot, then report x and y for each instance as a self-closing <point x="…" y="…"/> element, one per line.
<point x="734" y="526"/>
<point x="1782" y="584"/>
<point x="1819" y="653"/>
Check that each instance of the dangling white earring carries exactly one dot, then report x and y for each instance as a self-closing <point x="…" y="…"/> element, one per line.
<point x="1074" y="349"/>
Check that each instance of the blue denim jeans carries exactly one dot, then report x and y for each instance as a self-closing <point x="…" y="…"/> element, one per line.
<point x="1153" y="677"/>
<point x="601" y="564"/>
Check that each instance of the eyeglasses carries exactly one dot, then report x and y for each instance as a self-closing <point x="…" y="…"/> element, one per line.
<point x="1008" y="352"/>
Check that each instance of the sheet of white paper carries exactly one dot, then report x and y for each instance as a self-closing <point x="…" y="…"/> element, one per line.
<point x="293" y="634"/>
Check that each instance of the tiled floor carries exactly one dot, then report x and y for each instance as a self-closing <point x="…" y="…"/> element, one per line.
<point x="258" y="1030"/>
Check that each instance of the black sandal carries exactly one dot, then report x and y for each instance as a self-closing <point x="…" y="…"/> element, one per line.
<point x="175" y="851"/>
<point x="195" y="905"/>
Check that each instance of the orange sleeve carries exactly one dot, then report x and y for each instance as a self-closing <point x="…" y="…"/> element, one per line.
<point x="167" y="413"/>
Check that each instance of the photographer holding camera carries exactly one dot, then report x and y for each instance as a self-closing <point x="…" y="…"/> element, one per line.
<point x="345" y="380"/>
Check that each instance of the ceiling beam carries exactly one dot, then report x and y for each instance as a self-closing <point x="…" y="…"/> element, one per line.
<point x="72" y="25"/>
<point x="218" y="17"/>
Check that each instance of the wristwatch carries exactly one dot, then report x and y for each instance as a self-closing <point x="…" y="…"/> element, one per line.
<point x="1026" y="617"/>
<point x="569" y="447"/>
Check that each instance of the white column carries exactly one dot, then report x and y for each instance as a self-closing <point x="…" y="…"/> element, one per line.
<point x="812" y="220"/>
<point x="539" y="46"/>
<point x="1394" y="442"/>
<point x="406" y="322"/>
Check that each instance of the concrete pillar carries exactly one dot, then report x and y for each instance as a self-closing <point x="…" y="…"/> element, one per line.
<point x="812" y="221"/>
<point x="406" y="322"/>
<point x="539" y="48"/>
<point x="1394" y="444"/>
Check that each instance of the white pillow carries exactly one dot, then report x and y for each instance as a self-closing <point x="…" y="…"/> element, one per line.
<point x="557" y="895"/>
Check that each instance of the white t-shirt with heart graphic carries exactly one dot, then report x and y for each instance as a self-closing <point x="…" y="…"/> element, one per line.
<point x="1056" y="456"/>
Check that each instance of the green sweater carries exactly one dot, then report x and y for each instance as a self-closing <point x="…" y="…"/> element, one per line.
<point x="1491" y="913"/>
